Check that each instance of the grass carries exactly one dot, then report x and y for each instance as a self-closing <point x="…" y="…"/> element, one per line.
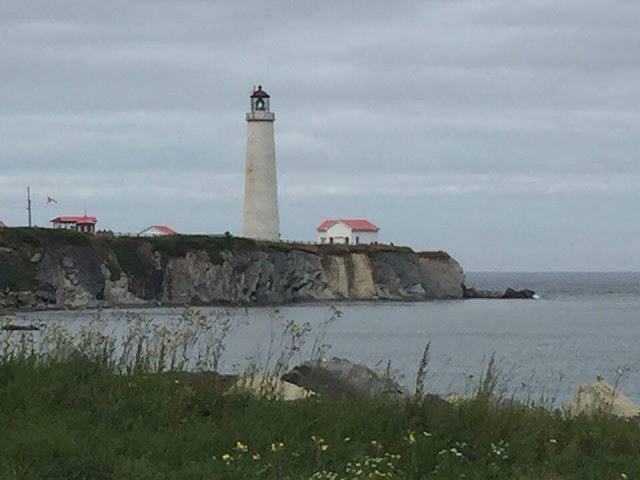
<point x="16" y="277"/>
<point x="18" y="237"/>
<point x="79" y="420"/>
<point x="179" y="245"/>
<point x="76" y="406"/>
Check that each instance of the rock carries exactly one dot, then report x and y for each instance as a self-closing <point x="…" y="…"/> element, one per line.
<point x="25" y="298"/>
<point x="397" y="275"/>
<point x="349" y="276"/>
<point x="270" y="387"/>
<point x="340" y="378"/>
<point x="20" y="328"/>
<point x="71" y="274"/>
<point x="255" y="385"/>
<point x="336" y="274"/>
<point x="6" y="250"/>
<point x="116" y="292"/>
<point x="477" y="293"/>
<point x="121" y="272"/>
<point x="442" y="277"/>
<point x="600" y="397"/>
<point x="511" y="293"/>
<point x="246" y="277"/>
<point x="362" y="285"/>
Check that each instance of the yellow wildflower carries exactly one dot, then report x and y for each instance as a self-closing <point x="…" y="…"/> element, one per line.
<point x="277" y="446"/>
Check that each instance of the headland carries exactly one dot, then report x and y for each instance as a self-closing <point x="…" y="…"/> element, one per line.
<point x="47" y="268"/>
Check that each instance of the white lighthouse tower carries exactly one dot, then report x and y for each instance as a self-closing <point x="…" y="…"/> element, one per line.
<point x="260" y="185"/>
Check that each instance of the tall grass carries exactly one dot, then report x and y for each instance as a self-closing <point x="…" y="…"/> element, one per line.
<point x="86" y="404"/>
<point x="190" y="340"/>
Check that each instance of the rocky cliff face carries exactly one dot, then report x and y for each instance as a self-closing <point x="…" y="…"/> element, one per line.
<point x="67" y="270"/>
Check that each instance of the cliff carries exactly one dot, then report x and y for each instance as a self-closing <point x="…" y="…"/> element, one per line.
<point x="55" y="268"/>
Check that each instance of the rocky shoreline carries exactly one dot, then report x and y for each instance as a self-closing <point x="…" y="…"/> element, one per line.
<point x="509" y="293"/>
<point x="44" y="268"/>
<point x="54" y="269"/>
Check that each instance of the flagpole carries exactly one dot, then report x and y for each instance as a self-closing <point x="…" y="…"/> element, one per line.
<point x="29" y="204"/>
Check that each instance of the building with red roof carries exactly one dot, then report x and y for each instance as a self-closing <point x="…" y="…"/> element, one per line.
<point x="2" y="224"/>
<point x="157" y="231"/>
<point x="352" y="231"/>
<point x="79" y="223"/>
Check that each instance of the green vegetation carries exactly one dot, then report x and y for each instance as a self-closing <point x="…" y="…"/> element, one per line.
<point x="77" y="406"/>
<point x="40" y="237"/>
<point x="135" y="255"/>
<point x="436" y="255"/>
<point x="15" y="277"/>
<point x="78" y="420"/>
<point x="179" y="245"/>
<point x="130" y="258"/>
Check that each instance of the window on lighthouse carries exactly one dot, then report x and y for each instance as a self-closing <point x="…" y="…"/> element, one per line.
<point x="259" y="104"/>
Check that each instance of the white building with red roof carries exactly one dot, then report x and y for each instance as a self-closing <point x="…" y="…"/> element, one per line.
<point x="347" y="232"/>
<point x="79" y="223"/>
<point x="157" y="231"/>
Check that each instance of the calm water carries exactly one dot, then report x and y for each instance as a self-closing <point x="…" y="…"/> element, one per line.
<point x="584" y="325"/>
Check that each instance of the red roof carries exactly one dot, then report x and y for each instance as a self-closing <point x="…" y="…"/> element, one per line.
<point x="359" y="224"/>
<point x="2" y="224"/>
<point x="164" y="229"/>
<point x="326" y="225"/>
<point x="77" y="219"/>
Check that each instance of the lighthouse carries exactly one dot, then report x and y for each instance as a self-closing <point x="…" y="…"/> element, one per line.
<point x="260" y="219"/>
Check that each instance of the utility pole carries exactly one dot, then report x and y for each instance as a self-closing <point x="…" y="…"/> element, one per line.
<point x="29" y="204"/>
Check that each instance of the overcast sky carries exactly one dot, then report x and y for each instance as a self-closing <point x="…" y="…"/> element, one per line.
<point x="505" y="132"/>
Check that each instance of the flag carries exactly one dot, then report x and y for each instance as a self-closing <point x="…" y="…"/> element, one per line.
<point x="51" y="200"/>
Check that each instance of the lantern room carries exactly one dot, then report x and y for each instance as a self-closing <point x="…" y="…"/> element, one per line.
<point x="259" y="100"/>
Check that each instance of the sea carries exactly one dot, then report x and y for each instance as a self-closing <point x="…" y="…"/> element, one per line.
<point x="583" y="326"/>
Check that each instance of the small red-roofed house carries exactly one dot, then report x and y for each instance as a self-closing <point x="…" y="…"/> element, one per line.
<point x="347" y="231"/>
<point x="2" y="224"/>
<point x="157" y="231"/>
<point x="79" y="223"/>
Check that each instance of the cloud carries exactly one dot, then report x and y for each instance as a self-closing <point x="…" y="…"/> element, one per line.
<point x="380" y="110"/>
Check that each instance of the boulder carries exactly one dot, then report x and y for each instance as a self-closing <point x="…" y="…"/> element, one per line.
<point x="511" y="293"/>
<point x="470" y="292"/>
<point x="37" y="257"/>
<point x="339" y="378"/>
<point x="72" y="275"/>
<point x="270" y="387"/>
<point x="116" y="292"/>
<point x="257" y="385"/>
<point x="600" y="397"/>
